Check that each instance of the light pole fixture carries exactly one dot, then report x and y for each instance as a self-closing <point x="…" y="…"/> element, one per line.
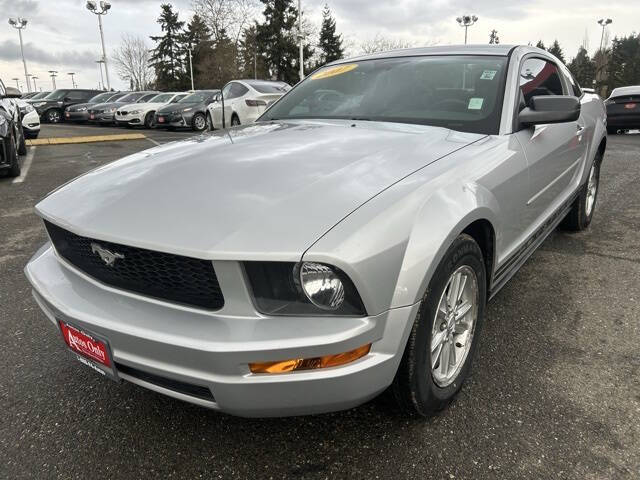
<point x="100" y="9"/>
<point x="17" y="80"/>
<point x="300" y="39"/>
<point x="54" y="74"/>
<point x="466" y="21"/>
<point x="19" y="24"/>
<point x="603" y="23"/>
<point x="73" y="82"/>
<point x="189" y="48"/>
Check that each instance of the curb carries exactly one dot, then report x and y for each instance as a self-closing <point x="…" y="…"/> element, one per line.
<point x="86" y="139"/>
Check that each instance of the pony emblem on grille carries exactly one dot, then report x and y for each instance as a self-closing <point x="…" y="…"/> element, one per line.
<point x="107" y="256"/>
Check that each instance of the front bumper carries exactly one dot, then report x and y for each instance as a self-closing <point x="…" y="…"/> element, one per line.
<point x="128" y="120"/>
<point x="624" y="121"/>
<point x="76" y="116"/>
<point x="102" y="118"/>
<point x="173" y="120"/>
<point x="213" y="349"/>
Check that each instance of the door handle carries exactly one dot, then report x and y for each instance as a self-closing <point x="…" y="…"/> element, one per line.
<point x="580" y="129"/>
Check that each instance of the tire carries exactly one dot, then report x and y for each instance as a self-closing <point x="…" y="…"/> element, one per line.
<point x="14" y="170"/>
<point x="54" y="116"/>
<point x="584" y="206"/>
<point x="420" y="388"/>
<point x="199" y="122"/>
<point x="612" y="130"/>
<point x="148" y="120"/>
<point x="22" y="144"/>
<point x="209" y="123"/>
<point x="235" y="120"/>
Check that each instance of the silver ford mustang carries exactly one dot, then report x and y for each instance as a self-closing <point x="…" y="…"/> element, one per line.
<point x="345" y="243"/>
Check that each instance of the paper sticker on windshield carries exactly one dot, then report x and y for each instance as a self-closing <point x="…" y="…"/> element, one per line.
<point x="488" y="74"/>
<point x="333" y="71"/>
<point x="475" y="103"/>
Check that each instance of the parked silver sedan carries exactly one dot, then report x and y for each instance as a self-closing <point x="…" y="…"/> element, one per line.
<point x="345" y="243"/>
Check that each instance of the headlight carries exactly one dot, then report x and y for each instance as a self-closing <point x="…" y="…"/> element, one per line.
<point x="188" y="109"/>
<point x="110" y="110"/>
<point x="307" y="288"/>
<point x="28" y="108"/>
<point x="39" y="104"/>
<point x="134" y="112"/>
<point x="82" y="109"/>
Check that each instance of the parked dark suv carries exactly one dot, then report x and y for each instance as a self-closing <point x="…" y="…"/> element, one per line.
<point x="11" y="135"/>
<point x="50" y="108"/>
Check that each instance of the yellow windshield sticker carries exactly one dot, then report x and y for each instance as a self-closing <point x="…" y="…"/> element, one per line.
<point x="333" y="71"/>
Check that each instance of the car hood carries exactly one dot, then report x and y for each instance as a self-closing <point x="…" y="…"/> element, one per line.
<point x="102" y="106"/>
<point x="263" y="192"/>
<point x="177" y="107"/>
<point x="78" y="106"/>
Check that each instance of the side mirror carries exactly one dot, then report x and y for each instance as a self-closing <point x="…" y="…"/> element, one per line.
<point x="12" y="92"/>
<point x="550" y="109"/>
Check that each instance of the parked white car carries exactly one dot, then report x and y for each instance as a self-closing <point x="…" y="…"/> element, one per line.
<point x="137" y="114"/>
<point x="244" y="102"/>
<point x="30" y="119"/>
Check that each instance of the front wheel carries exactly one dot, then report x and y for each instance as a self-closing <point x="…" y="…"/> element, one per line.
<point x="148" y="120"/>
<point x="22" y="144"/>
<point x="581" y="213"/>
<point x="199" y="122"/>
<point x="14" y="170"/>
<point x="437" y="358"/>
<point x="235" y="120"/>
<point x="209" y="123"/>
<point x="53" y="116"/>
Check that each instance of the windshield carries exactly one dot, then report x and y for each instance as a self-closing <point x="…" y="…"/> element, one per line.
<point x="196" y="97"/>
<point x="269" y="87"/>
<point x="162" y="98"/>
<point x="56" y="95"/>
<point x="458" y="92"/>
<point x="101" y="97"/>
<point x="40" y="95"/>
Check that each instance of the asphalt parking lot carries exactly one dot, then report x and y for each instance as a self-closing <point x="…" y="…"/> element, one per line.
<point x="555" y="391"/>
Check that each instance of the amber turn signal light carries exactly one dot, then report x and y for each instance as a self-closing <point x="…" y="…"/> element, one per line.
<point x="297" y="364"/>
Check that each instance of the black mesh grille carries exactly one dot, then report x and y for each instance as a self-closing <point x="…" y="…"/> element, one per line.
<point x="175" y="278"/>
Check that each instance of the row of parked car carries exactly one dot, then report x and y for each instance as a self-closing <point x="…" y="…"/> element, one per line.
<point x="244" y="101"/>
<point x="18" y="121"/>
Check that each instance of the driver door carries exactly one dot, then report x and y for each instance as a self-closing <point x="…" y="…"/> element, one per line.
<point x="553" y="151"/>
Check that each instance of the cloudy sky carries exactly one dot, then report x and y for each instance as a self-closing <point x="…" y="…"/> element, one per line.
<point x="62" y="35"/>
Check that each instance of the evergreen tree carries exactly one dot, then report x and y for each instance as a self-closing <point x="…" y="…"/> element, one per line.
<point x="556" y="51"/>
<point x="624" y="62"/>
<point x="330" y="44"/>
<point x="540" y="45"/>
<point x="277" y="37"/>
<point x="493" y="37"/>
<point x="218" y="63"/>
<point x="583" y="68"/>
<point x="166" y="57"/>
<point x="198" y="38"/>
<point x="252" y="63"/>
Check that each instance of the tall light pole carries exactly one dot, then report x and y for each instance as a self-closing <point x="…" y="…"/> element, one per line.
<point x="191" y="66"/>
<point x="92" y="6"/>
<point x="466" y="21"/>
<point x="300" y="39"/>
<point x="54" y="74"/>
<point x="100" y="62"/>
<point x="20" y="23"/>
<point x="73" y="82"/>
<point x="603" y="23"/>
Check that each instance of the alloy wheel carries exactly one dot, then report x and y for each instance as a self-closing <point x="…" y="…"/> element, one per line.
<point x="592" y="190"/>
<point x="53" y="116"/>
<point x="454" y="326"/>
<point x="199" y="122"/>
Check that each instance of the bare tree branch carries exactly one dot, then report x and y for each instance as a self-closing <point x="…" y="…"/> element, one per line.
<point x="132" y="62"/>
<point x="229" y="17"/>
<point x="380" y="43"/>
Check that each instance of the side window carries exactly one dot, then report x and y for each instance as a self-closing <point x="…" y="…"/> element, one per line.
<point x="77" y="95"/>
<point x="226" y="91"/>
<point x="576" y="91"/>
<point x="238" y="90"/>
<point x="539" y="77"/>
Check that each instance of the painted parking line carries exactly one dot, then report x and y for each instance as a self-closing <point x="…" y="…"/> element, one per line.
<point x="25" y="166"/>
<point x="155" y="142"/>
<point x="86" y="139"/>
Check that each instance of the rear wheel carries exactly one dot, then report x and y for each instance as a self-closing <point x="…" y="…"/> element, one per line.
<point x="22" y="144"/>
<point x="235" y="120"/>
<point x="581" y="213"/>
<point x="14" y="170"/>
<point x="199" y="122"/>
<point x="148" y="120"/>
<point x="54" y="116"/>
<point x="437" y="358"/>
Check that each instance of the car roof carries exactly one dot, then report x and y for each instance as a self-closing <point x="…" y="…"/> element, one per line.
<point x="622" y="91"/>
<point x="482" y="49"/>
